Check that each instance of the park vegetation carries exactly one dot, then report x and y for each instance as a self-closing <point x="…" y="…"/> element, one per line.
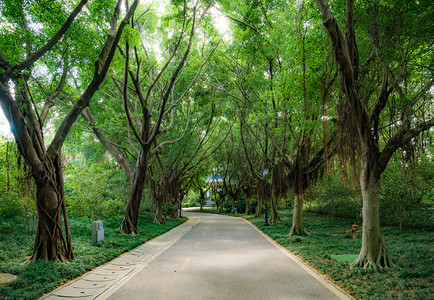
<point x="120" y="109"/>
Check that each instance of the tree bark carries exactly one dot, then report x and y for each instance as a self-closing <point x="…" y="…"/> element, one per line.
<point x="158" y="219"/>
<point x="51" y="243"/>
<point x="248" y="198"/>
<point x="297" y="217"/>
<point x="374" y="253"/>
<point x="274" y="216"/>
<point x="131" y="218"/>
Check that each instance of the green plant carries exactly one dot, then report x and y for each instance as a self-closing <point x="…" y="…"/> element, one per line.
<point x="227" y="206"/>
<point x="94" y="190"/>
<point x="407" y="196"/>
<point x="411" y="251"/>
<point x="330" y="196"/>
<point x="40" y="277"/>
<point x="191" y="199"/>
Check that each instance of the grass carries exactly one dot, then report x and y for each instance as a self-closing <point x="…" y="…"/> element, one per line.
<point x="38" y="278"/>
<point x="412" y="251"/>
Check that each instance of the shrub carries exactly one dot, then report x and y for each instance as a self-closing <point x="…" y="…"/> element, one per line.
<point x="191" y="199"/>
<point x="407" y="196"/>
<point x="16" y="186"/>
<point x="227" y="206"/>
<point x="241" y="205"/>
<point x="330" y="196"/>
<point x="94" y="190"/>
<point x="252" y="206"/>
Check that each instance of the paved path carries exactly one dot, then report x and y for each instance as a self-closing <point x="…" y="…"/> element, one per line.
<point x="208" y="257"/>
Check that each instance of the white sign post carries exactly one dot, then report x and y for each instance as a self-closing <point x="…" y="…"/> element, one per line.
<point x="97" y="232"/>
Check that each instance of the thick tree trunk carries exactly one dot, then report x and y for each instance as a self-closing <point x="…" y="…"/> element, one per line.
<point x="51" y="243"/>
<point x="131" y="218"/>
<point x="158" y="219"/>
<point x="374" y="253"/>
<point x="258" y="209"/>
<point x="248" y="198"/>
<point x="222" y="199"/>
<point x="274" y="216"/>
<point x="297" y="217"/>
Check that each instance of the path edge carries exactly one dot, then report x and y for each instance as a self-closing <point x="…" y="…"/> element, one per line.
<point x="335" y="289"/>
<point x="184" y="228"/>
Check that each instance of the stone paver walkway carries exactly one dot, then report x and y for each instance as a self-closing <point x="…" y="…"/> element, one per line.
<point x="107" y="278"/>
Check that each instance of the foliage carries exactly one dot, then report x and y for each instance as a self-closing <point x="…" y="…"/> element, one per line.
<point x="14" y="199"/>
<point x="191" y="199"/>
<point x="227" y="206"/>
<point x="330" y="196"/>
<point x="94" y="190"/>
<point x="241" y="204"/>
<point x="40" y="277"/>
<point x="407" y="197"/>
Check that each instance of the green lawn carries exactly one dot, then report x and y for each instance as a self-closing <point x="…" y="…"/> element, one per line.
<point x="412" y="251"/>
<point x="37" y="278"/>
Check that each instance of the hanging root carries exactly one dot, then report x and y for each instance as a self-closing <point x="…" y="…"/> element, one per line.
<point x="366" y="262"/>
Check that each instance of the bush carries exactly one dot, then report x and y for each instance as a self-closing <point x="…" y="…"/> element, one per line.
<point x="16" y="186"/>
<point x="170" y="210"/>
<point x="191" y="199"/>
<point x="241" y="205"/>
<point x="227" y="206"/>
<point x="252" y="206"/>
<point x="407" y="196"/>
<point x="94" y="190"/>
<point x="330" y="196"/>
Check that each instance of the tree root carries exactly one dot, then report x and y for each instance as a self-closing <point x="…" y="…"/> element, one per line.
<point x="127" y="227"/>
<point x="275" y="218"/>
<point x="159" y="220"/>
<point x="298" y="230"/>
<point x="367" y="262"/>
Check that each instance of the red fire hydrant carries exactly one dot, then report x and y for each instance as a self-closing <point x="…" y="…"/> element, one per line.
<point x="354" y="230"/>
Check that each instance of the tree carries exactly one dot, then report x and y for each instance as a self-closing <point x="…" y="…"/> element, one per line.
<point x="26" y="122"/>
<point x="159" y="99"/>
<point x="364" y="103"/>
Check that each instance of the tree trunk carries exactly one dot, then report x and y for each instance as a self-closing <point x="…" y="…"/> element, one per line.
<point x="222" y="199"/>
<point x="159" y="211"/>
<point x="202" y="199"/>
<point x="297" y="217"/>
<point x="374" y="253"/>
<point x="248" y="198"/>
<point x="131" y="218"/>
<point x="51" y="244"/>
<point x="274" y="216"/>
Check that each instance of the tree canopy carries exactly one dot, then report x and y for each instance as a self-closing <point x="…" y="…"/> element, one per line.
<point x="307" y="89"/>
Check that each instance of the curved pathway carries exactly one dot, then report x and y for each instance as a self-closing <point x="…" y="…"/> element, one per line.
<point x="224" y="258"/>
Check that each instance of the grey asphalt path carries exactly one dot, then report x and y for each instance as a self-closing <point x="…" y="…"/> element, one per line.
<point x="225" y="258"/>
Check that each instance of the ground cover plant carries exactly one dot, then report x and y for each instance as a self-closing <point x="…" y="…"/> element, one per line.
<point x="37" y="278"/>
<point x="411" y="251"/>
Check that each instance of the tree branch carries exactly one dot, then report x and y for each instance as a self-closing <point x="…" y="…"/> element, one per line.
<point x="102" y="65"/>
<point x="401" y="138"/>
<point x="41" y="51"/>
